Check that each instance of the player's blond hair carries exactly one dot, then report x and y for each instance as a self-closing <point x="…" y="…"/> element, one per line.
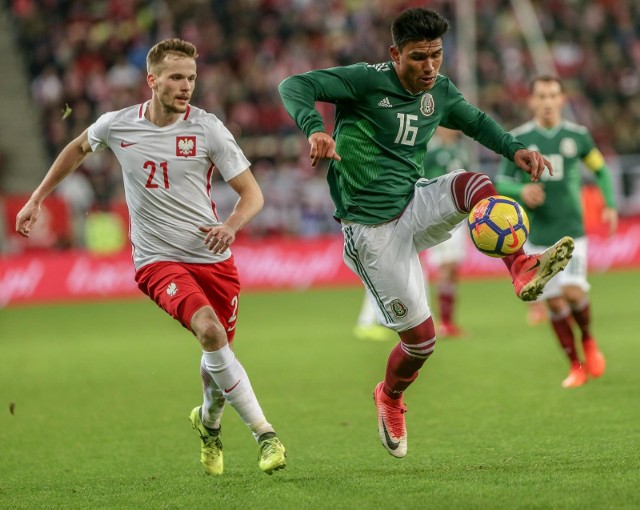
<point x="176" y="48"/>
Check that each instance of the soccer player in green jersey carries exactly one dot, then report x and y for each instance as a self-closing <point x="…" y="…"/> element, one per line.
<point x="555" y="210"/>
<point x="445" y="154"/>
<point x="385" y="115"/>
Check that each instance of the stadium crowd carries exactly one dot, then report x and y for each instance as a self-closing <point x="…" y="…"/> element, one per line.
<point x="91" y="57"/>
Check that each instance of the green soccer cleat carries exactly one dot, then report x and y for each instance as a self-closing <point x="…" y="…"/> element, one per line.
<point x="271" y="455"/>
<point x="210" y="445"/>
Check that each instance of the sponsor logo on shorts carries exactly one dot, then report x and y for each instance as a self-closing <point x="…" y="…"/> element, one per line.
<point x="398" y="308"/>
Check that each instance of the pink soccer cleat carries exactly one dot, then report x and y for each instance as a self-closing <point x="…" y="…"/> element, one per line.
<point x="530" y="273"/>
<point x="391" y="427"/>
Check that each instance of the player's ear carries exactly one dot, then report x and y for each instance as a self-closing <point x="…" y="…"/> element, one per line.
<point x="151" y="80"/>
<point x="395" y="54"/>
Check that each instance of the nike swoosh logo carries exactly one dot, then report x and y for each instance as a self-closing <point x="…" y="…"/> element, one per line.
<point x="124" y="144"/>
<point x="533" y="266"/>
<point x="393" y="445"/>
<point x="516" y="241"/>
<point x="232" y="387"/>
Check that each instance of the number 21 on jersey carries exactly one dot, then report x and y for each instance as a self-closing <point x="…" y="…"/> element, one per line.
<point x="151" y="167"/>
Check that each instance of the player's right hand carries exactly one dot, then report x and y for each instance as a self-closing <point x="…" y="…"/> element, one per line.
<point x="27" y="218"/>
<point x="323" y="146"/>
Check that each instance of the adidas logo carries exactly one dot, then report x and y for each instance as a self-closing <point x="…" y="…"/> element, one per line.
<point x="385" y="103"/>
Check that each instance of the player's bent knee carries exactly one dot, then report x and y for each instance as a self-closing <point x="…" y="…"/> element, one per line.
<point x="419" y="334"/>
<point x="208" y="329"/>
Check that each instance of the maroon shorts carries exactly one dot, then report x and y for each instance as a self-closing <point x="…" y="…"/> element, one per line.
<point x="181" y="289"/>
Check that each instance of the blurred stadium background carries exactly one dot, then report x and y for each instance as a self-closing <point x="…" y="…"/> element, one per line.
<point x="91" y="57"/>
<point x="98" y="393"/>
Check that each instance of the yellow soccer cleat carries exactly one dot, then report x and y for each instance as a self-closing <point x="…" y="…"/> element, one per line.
<point x="271" y="455"/>
<point x="210" y="445"/>
<point x="374" y="333"/>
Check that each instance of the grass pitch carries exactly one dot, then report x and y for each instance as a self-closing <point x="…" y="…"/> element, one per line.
<point x="94" y="400"/>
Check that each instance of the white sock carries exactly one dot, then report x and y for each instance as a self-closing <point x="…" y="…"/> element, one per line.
<point x="214" y="400"/>
<point x="229" y="375"/>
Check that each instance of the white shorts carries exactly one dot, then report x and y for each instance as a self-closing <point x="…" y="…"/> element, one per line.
<point x="575" y="274"/>
<point x="386" y="259"/>
<point x="452" y="250"/>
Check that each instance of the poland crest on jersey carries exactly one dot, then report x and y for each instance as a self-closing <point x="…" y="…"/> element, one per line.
<point x="427" y="105"/>
<point x="185" y="146"/>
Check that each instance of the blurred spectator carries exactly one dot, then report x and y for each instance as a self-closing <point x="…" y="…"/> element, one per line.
<point x="91" y="56"/>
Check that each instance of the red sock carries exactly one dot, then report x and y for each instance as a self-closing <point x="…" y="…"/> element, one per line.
<point x="562" y="327"/>
<point x="446" y="302"/>
<point x="582" y="315"/>
<point x="468" y="189"/>
<point x="406" y="358"/>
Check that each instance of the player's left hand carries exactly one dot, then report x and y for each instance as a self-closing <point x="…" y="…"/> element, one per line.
<point x="532" y="162"/>
<point x="218" y="238"/>
<point x="610" y="217"/>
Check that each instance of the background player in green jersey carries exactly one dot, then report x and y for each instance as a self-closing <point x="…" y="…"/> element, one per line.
<point x="555" y="210"/>
<point x="385" y="115"/>
<point x="445" y="153"/>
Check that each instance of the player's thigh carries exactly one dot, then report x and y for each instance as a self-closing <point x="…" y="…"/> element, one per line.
<point x="386" y="261"/>
<point x="173" y="288"/>
<point x="433" y="211"/>
<point x="221" y="286"/>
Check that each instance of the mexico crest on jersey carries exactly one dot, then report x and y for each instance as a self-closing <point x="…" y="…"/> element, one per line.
<point x="427" y="105"/>
<point x="185" y="146"/>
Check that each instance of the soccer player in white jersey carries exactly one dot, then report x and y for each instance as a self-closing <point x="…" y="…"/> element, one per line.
<point x="168" y="150"/>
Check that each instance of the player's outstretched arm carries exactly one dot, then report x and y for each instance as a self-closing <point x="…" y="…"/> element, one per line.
<point x="532" y="162"/>
<point x="249" y="203"/>
<point x="67" y="161"/>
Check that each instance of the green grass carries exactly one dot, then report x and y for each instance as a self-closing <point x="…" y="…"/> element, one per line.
<point x="102" y="392"/>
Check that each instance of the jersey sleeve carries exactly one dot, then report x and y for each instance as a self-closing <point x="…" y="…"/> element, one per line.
<point x="334" y="85"/>
<point x="224" y="151"/>
<point x="98" y="132"/>
<point x="476" y="124"/>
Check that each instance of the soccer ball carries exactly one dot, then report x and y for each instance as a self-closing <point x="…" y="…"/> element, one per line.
<point x="498" y="226"/>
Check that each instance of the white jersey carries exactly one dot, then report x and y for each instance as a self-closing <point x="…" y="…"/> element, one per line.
<point x="167" y="179"/>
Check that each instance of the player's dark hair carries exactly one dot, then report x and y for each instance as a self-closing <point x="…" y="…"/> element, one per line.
<point x="418" y="25"/>
<point x="170" y="47"/>
<point x="545" y="78"/>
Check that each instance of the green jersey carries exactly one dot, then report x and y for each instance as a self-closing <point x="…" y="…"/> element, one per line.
<point x="381" y="133"/>
<point x="442" y="158"/>
<point x="565" y="146"/>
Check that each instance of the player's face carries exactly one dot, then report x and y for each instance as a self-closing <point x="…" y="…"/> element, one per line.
<point x="174" y="83"/>
<point x="546" y="102"/>
<point x="417" y="64"/>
